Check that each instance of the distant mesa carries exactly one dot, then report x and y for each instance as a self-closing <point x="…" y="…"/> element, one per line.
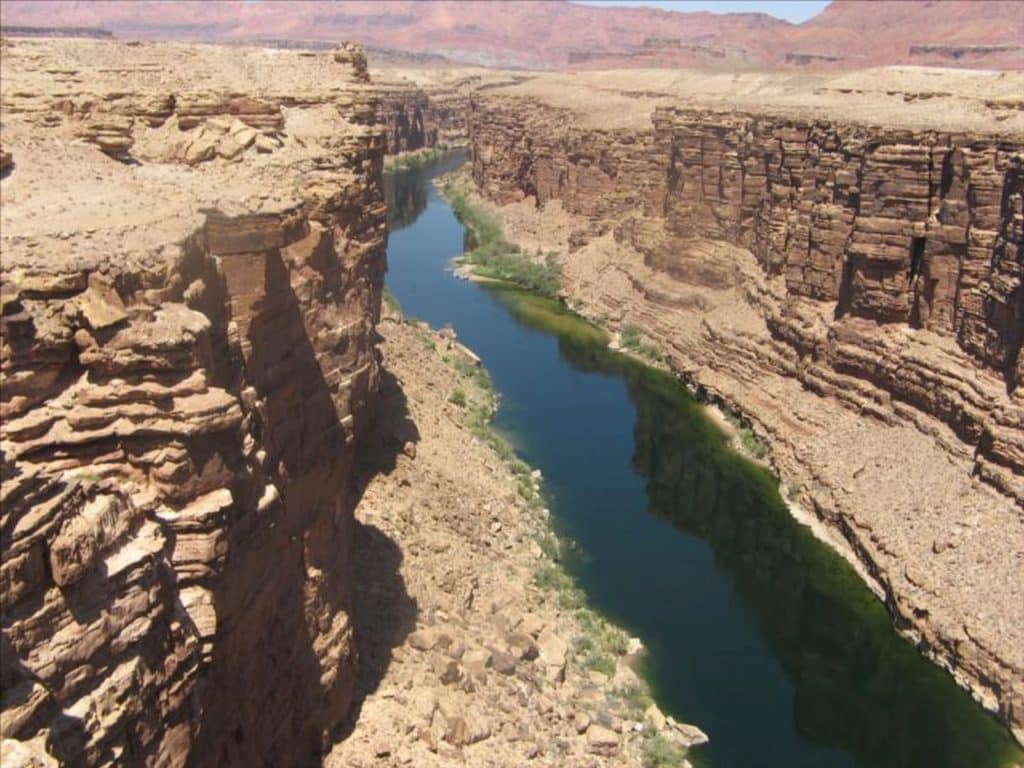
<point x="26" y="31"/>
<point x="550" y="35"/>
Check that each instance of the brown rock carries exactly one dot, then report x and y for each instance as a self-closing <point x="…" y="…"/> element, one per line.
<point x="602" y="741"/>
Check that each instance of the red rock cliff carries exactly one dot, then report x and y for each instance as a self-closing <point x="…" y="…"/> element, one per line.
<point x="911" y="230"/>
<point x="188" y="359"/>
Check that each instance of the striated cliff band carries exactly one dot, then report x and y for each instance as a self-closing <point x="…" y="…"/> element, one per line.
<point x="838" y="258"/>
<point x="193" y="256"/>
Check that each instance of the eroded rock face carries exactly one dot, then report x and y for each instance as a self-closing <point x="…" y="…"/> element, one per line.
<point x="188" y="357"/>
<point x="916" y="233"/>
<point x="418" y="118"/>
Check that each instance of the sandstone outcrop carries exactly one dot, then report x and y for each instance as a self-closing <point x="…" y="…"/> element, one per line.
<point x="193" y="257"/>
<point x="830" y="277"/>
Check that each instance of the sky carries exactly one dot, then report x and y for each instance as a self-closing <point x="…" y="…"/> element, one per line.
<point x="791" y="10"/>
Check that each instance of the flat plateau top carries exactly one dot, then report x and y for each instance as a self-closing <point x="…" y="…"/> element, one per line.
<point x="71" y="65"/>
<point x="918" y="98"/>
<point x="61" y="98"/>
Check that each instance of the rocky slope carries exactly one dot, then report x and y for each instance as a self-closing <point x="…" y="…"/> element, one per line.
<point x="551" y="34"/>
<point x="193" y="255"/>
<point x="468" y="656"/>
<point x="854" y="287"/>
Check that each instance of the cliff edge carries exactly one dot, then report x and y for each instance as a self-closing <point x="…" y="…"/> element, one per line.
<point x="193" y="259"/>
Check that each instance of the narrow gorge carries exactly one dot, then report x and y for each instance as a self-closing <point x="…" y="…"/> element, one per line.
<point x="254" y="512"/>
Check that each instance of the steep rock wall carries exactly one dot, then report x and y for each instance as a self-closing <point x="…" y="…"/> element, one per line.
<point x="855" y="290"/>
<point x="181" y="397"/>
<point x="909" y="230"/>
<point x="417" y="118"/>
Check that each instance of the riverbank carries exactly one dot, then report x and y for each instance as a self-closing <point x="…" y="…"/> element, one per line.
<point x="475" y="646"/>
<point x="417" y="158"/>
<point x="880" y="492"/>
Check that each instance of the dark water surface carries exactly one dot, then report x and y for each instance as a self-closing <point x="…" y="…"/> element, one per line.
<point x="756" y="632"/>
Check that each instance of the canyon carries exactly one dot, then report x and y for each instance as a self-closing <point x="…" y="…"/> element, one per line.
<point x="233" y="492"/>
<point x="840" y="264"/>
<point x="221" y="543"/>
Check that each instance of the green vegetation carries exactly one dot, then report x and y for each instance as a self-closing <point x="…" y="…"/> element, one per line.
<point x="659" y="752"/>
<point x="549" y="315"/>
<point x="494" y="257"/>
<point x="752" y="445"/>
<point x="390" y="301"/>
<point x="600" y="644"/>
<point x="458" y="397"/>
<point x="631" y="339"/>
<point x="416" y="159"/>
<point x="637" y="700"/>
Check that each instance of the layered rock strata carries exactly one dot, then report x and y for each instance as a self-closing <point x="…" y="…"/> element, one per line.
<point x="855" y="289"/>
<point x="193" y="256"/>
<point x="418" y="118"/>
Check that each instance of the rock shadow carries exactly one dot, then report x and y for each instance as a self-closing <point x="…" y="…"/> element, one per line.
<point x="383" y="611"/>
<point x="384" y="614"/>
<point x="271" y="691"/>
<point x="387" y="435"/>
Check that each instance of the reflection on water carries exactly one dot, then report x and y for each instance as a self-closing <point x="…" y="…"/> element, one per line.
<point x="755" y="630"/>
<point x="859" y="687"/>
<point x="406" y="192"/>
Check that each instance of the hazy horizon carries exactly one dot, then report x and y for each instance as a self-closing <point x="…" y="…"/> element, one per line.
<point x="793" y="11"/>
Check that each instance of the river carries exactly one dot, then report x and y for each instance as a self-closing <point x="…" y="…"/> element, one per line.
<point x="756" y="631"/>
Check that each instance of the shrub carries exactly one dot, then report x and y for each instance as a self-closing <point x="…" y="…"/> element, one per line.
<point x="629" y="336"/>
<point x="750" y="442"/>
<point x="497" y="259"/>
<point x="659" y="752"/>
<point x="391" y="302"/>
<point x="458" y="397"/>
<point x="416" y="159"/>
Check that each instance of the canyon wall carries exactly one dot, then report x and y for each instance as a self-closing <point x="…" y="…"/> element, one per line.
<point x="193" y="259"/>
<point x="415" y="119"/>
<point x="855" y="289"/>
<point x="910" y="230"/>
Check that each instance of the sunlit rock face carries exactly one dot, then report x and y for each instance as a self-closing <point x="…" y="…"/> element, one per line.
<point x="193" y="258"/>
<point x="904" y="246"/>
